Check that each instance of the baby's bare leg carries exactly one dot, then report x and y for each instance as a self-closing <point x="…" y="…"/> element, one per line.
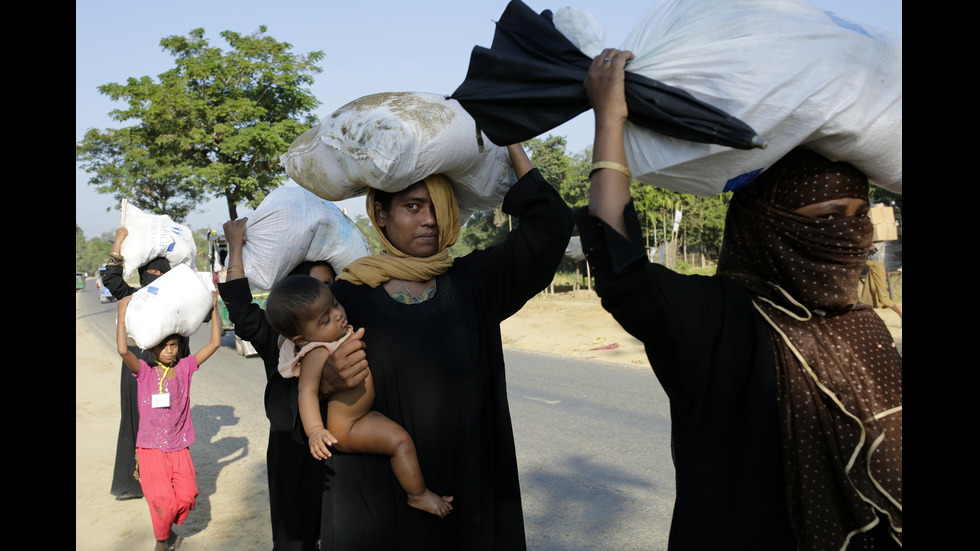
<point x="344" y="408"/>
<point x="376" y="434"/>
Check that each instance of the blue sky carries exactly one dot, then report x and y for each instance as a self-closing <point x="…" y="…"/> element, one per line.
<point x="370" y="45"/>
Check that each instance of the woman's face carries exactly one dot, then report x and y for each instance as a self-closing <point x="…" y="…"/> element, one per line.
<point x="323" y="273"/>
<point x="836" y="209"/>
<point x="410" y="224"/>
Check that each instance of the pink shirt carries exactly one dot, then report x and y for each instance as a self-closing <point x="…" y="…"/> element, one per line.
<point x="167" y="429"/>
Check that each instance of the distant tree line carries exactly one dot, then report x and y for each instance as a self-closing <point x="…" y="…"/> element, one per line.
<point x="702" y="221"/>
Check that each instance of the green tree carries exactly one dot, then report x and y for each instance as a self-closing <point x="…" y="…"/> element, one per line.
<point x="90" y="254"/>
<point x="549" y="157"/>
<point x="363" y="223"/>
<point x="703" y="222"/>
<point x="129" y="163"/>
<point x="203" y="249"/>
<point x="575" y="189"/>
<point x="483" y="229"/>
<point x="212" y="126"/>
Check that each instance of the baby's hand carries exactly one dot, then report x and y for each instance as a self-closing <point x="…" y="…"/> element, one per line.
<point x="320" y="441"/>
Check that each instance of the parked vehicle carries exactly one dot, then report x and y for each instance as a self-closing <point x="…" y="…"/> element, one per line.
<point x="79" y="281"/>
<point x="104" y="294"/>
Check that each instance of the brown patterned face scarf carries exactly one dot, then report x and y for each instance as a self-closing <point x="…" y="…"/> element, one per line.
<point x="816" y="261"/>
<point x="839" y="376"/>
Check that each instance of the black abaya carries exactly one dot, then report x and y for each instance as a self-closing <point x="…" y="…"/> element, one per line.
<point x="438" y="371"/>
<point x="295" y="476"/>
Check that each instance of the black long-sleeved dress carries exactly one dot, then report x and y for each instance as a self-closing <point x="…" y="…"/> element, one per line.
<point x="295" y="476"/>
<point x="124" y="483"/>
<point x="711" y="351"/>
<point x="438" y="371"/>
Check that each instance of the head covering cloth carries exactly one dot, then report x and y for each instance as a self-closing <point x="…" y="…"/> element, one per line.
<point x="394" y="264"/>
<point x="838" y="374"/>
<point x="158" y="263"/>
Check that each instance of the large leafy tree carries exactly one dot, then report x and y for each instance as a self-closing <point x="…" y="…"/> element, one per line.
<point x="212" y="126"/>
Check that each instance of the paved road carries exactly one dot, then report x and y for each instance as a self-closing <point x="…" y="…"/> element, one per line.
<point x="592" y="440"/>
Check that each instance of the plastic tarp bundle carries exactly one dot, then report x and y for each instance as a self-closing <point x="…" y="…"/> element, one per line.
<point x="389" y="141"/>
<point x="176" y="302"/>
<point x="799" y="75"/>
<point x="292" y="225"/>
<point x="152" y="236"/>
<point x="530" y="81"/>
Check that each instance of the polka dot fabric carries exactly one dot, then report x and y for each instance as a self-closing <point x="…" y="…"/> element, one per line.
<point x="839" y="375"/>
<point x="817" y="261"/>
<point x="839" y="388"/>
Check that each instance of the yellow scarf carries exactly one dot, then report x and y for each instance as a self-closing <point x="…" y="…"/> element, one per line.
<point x="394" y="264"/>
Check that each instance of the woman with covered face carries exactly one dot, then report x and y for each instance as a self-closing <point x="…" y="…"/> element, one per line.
<point x="432" y="340"/>
<point x="785" y="392"/>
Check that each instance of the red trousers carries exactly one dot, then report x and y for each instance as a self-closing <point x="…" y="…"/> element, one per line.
<point x="169" y="486"/>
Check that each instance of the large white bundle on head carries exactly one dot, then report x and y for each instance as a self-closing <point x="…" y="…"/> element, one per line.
<point x="176" y="302"/>
<point x="389" y="141"/>
<point x="797" y="74"/>
<point x="292" y="225"/>
<point x="153" y="236"/>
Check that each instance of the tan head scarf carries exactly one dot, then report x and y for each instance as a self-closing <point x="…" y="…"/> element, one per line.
<point x="393" y="263"/>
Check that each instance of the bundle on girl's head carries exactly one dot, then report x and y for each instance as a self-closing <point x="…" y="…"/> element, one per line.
<point x="177" y="302"/>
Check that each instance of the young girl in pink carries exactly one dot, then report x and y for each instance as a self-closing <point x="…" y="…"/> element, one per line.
<point x="163" y="391"/>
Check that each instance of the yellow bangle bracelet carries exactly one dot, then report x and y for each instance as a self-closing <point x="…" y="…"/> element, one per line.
<point x="236" y="269"/>
<point x="614" y="166"/>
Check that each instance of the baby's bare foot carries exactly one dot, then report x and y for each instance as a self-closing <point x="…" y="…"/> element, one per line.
<point x="431" y="502"/>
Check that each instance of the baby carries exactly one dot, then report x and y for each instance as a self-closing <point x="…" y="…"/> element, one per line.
<point x="305" y="312"/>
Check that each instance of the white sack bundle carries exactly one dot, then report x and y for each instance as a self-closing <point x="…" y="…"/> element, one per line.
<point x="795" y="73"/>
<point x="152" y="236"/>
<point x="293" y="225"/>
<point x="389" y="141"/>
<point x="176" y="302"/>
<point x="574" y="250"/>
